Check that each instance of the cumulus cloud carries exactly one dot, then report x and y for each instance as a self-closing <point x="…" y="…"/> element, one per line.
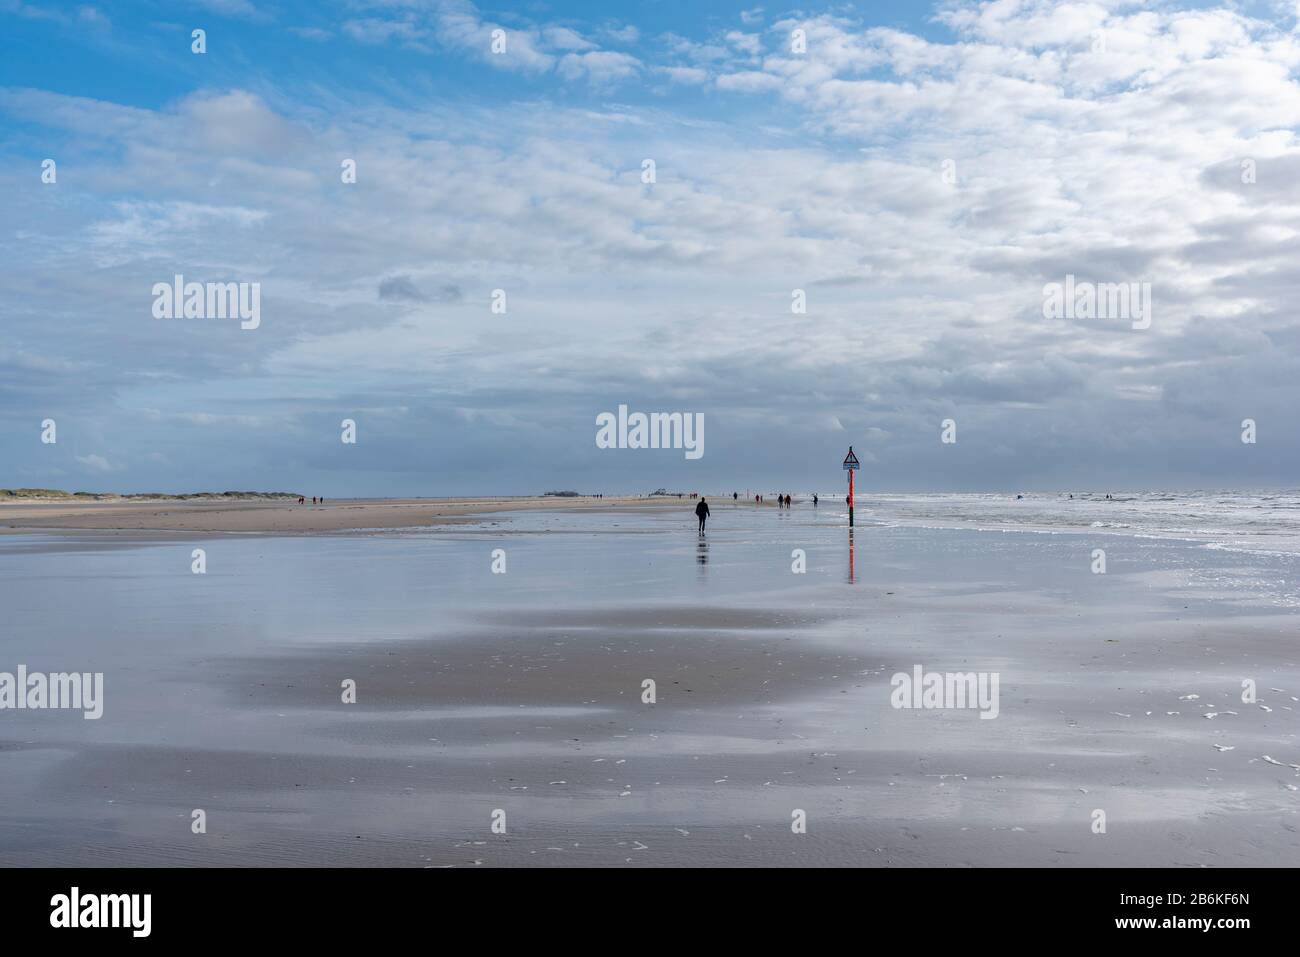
<point x="563" y="38"/>
<point x="600" y="66"/>
<point x="920" y="191"/>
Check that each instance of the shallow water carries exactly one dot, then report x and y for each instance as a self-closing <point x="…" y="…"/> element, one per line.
<point x="479" y="690"/>
<point x="1255" y="521"/>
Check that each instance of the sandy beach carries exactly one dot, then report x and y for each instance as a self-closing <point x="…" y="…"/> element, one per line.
<point x="523" y="692"/>
<point x="279" y="517"/>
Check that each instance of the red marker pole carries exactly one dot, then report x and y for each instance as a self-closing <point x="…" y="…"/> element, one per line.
<point x="850" y="466"/>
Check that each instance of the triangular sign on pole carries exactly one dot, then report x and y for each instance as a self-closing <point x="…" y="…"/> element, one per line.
<point x="850" y="460"/>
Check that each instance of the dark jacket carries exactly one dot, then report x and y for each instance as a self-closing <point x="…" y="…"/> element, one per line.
<point x="702" y="509"/>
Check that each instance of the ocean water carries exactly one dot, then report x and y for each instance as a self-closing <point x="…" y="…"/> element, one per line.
<point x="1260" y="522"/>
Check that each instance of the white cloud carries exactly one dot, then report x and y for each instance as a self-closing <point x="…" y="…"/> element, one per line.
<point x="97" y="463"/>
<point x="626" y="33"/>
<point x="749" y="81"/>
<point x="1113" y="165"/>
<point x="749" y="43"/>
<point x="562" y="38"/>
<point x="684" y="74"/>
<point x="459" y="25"/>
<point x="599" y="66"/>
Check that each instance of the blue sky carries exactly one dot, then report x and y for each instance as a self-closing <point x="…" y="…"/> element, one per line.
<point x="920" y="172"/>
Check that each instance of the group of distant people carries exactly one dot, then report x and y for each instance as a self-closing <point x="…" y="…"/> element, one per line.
<point x="782" y="500"/>
<point x="702" y="508"/>
<point x="315" y="500"/>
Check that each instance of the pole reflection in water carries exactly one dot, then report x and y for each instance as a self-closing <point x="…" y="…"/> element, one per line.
<point x="850" y="556"/>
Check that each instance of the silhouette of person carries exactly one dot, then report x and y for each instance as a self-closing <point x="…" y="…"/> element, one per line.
<point x="702" y="513"/>
<point x="814" y="500"/>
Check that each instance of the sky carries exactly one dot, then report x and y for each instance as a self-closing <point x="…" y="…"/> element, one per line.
<point x="917" y="174"/>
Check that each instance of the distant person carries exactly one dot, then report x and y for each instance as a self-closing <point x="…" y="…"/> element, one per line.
<point x="313" y="499"/>
<point x="702" y="513"/>
<point x="735" y="497"/>
<point x="814" y="499"/>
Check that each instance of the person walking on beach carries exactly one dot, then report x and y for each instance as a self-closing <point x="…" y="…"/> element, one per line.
<point x="814" y="499"/>
<point x="702" y="513"/>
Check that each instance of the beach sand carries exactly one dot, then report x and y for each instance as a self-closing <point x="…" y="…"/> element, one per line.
<point x="522" y="693"/>
<point x="280" y="517"/>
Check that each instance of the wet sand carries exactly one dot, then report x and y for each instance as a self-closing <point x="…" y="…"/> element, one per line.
<point x="522" y="693"/>
<point x="278" y="517"/>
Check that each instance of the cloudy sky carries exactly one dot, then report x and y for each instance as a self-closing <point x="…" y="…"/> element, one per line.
<point x="920" y="172"/>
